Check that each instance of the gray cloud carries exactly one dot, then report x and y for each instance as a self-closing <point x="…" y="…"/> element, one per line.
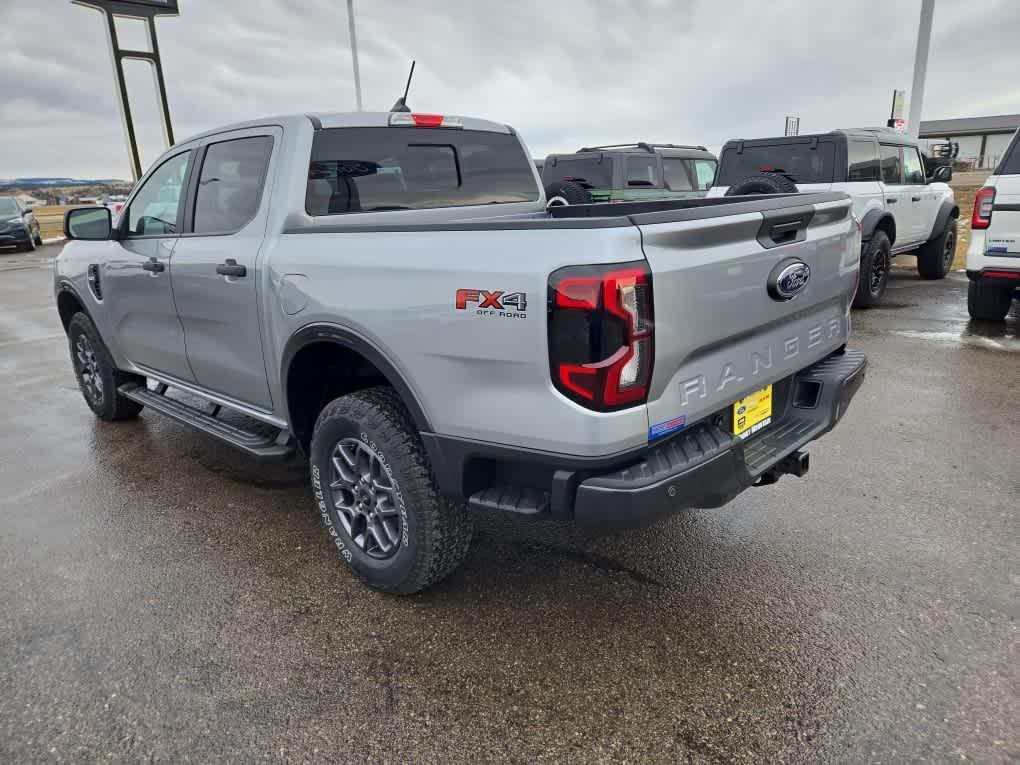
<point x="565" y="73"/>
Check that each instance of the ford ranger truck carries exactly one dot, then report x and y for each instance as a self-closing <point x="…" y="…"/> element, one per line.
<point x="387" y="296"/>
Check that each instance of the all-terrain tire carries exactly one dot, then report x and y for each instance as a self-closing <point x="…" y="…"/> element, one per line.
<point x="92" y="362"/>
<point x="435" y="532"/>
<point x="560" y="193"/>
<point x="876" y="257"/>
<point x="987" y="303"/>
<point x="935" y="257"/>
<point x="38" y="237"/>
<point x="764" y="183"/>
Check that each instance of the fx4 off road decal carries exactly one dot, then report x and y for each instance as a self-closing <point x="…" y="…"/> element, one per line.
<point x="510" y="305"/>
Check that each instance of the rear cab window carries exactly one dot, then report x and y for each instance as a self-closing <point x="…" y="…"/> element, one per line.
<point x="408" y="168"/>
<point x="804" y="160"/>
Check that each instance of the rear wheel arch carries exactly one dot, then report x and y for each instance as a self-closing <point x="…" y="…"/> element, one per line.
<point x="324" y="361"/>
<point x="876" y="220"/>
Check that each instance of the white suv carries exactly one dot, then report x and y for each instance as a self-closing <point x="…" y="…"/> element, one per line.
<point x="901" y="207"/>
<point x="993" y="257"/>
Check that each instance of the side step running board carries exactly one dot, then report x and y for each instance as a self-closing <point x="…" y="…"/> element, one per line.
<point x="510" y="499"/>
<point x="276" y="444"/>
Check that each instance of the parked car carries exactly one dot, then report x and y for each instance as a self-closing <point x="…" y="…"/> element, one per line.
<point x="900" y="207"/>
<point x="628" y="173"/>
<point x="19" y="228"/>
<point x="388" y="295"/>
<point x="993" y="255"/>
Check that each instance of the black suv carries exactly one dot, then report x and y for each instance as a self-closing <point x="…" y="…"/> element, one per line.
<point x="633" y="172"/>
<point x="18" y="227"/>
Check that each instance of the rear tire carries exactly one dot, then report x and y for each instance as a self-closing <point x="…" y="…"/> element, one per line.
<point x="935" y="257"/>
<point x="986" y="303"/>
<point x="562" y="193"/>
<point x="97" y="377"/>
<point x="875" y="260"/>
<point x="765" y="183"/>
<point x="377" y="496"/>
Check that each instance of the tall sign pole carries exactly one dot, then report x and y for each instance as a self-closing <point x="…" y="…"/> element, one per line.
<point x="146" y="10"/>
<point x="920" y="67"/>
<point x="354" y="51"/>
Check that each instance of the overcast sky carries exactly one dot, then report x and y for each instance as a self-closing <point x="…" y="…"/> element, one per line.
<point x="564" y="72"/>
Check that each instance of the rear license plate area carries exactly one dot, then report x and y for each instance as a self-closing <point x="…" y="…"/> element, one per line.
<point x="752" y="413"/>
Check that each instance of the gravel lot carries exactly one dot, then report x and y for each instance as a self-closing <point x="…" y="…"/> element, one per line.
<point x="166" y="599"/>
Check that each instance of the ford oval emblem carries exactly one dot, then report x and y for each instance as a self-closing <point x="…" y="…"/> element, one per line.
<point x="788" y="279"/>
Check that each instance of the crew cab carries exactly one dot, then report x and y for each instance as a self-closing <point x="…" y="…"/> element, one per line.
<point x="387" y="296"/>
<point x="993" y="255"/>
<point x="900" y="207"/>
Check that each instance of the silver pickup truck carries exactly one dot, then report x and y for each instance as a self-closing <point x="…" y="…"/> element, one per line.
<point x="386" y="295"/>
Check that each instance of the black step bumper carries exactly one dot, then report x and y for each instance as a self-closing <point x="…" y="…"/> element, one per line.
<point x="706" y="466"/>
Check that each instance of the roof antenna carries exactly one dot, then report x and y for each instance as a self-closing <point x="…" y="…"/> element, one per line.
<point x="401" y="103"/>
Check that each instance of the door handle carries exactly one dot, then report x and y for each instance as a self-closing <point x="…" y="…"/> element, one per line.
<point x="892" y="201"/>
<point x="153" y="265"/>
<point x="915" y="199"/>
<point x="230" y="268"/>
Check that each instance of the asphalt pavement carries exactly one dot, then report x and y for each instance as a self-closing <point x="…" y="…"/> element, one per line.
<point x="164" y="598"/>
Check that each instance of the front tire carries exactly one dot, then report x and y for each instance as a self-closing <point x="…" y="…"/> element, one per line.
<point x="377" y="496"/>
<point x="987" y="303"/>
<point x="935" y="257"/>
<point x="875" y="261"/>
<point x="98" y="378"/>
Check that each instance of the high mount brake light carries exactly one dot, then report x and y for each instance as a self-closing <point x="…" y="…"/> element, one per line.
<point x="601" y="340"/>
<point x="983" y="203"/>
<point x="415" y="119"/>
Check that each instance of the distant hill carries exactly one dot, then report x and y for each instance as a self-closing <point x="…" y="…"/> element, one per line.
<point x="40" y="183"/>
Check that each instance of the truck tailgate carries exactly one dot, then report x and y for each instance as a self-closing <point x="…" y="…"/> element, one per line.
<point x="719" y="334"/>
<point x="1003" y="235"/>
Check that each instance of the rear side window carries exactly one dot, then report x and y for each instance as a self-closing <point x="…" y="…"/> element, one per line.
<point x="230" y="186"/>
<point x="688" y="174"/>
<point x="863" y="161"/>
<point x="797" y="160"/>
<point x="595" y="172"/>
<point x="643" y="171"/>
<point x="892" y="164"/>
<point x="398" y="168"/>
<point x="1010" y="164"/>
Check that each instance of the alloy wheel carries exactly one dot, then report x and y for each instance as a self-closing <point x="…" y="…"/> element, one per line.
<point x="364" y="497"/>
<point x="88" y="369"/>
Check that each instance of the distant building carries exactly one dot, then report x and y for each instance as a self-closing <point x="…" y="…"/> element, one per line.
<point x="983" y="140"/>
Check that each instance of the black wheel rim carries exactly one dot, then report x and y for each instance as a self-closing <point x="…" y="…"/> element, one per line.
<point x="364" y="497"/>
<point x="879" y="268"/>
<point x="950" y="251"/>
<point x="88" y="369"/>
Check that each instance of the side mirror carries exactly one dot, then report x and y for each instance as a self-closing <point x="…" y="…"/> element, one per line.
<point x="88" y="223"/>
<point x="943" y="174"/>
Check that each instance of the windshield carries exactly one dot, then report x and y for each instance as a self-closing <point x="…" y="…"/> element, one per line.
<point x="8" y="206"/>
<point x="797" y="160"/>
<point x="688" y="174"/>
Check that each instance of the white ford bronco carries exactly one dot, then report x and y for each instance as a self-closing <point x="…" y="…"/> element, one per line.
<point x="900" y="207"/>
<point x="993" y="256"/>
<point x="386" y="295"/>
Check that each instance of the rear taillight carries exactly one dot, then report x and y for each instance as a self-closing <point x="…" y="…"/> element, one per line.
<point x="983" y="203"/>
<point x="601" y="342"/>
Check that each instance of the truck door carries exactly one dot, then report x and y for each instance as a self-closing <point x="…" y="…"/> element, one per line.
<point x="923" y="199"/>
<point x="136" y="278"/>
<point x="215" y="271"/>
<point x="898" y="196"/>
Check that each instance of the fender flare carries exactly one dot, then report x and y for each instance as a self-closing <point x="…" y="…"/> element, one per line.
<point x="347" y="338"/>
<point x="871" y="221"/>
<point x="64" y="285"/>
<point x="949" y="209"/>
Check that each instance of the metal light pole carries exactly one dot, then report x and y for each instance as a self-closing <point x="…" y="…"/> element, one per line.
<point x="920" y="67"/>
<point x="354" y="51"/>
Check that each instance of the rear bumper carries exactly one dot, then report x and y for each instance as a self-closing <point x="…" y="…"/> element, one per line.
<point x="701" y="466"/>
<point x="993" y="276"/>
<point x="706" y="466"/>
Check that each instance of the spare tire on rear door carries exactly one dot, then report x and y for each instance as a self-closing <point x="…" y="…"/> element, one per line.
<point x="566" y="193"/>
<point x="764" y="183"/>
